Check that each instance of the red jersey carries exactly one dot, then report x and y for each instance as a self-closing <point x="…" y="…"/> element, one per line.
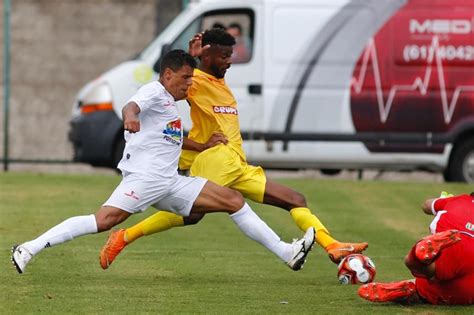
<point x="453" y="213"/>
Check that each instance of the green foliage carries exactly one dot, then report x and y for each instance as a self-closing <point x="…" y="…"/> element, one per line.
<point x="209" y="268"/>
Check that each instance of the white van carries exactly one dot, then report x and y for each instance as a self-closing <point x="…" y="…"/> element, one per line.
<point x="327" y="84"/>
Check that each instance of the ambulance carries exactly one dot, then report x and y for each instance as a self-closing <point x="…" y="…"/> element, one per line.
<point x="326" y="84"/>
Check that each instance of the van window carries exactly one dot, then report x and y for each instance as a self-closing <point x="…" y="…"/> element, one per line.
<point x="181" y="42"/>
<point x="238" y="22"/>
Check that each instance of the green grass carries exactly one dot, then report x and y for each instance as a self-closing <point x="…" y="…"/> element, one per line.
<point x="210" y="268"/>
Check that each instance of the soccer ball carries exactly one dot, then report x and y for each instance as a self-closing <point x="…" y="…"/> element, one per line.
<point x="356" y="269"/>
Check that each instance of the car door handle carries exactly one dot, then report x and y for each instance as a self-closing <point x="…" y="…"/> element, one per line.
<point x="255" y="89"/>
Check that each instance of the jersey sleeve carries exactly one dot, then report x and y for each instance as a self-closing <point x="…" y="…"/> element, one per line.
<point x="144" y="102"/>
<point x="148" y="96"/>
<point x="440" y="203"/>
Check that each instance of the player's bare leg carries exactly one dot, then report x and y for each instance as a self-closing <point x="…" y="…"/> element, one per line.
<point x="291" y="200"/>
<point x="159" y="222"/>
<point x="215" y="198"/>
<point x="65" y="231"/>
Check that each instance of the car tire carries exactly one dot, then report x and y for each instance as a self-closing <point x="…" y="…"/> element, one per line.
<point x="461" y="163"/>
<point x="330" y="171"/>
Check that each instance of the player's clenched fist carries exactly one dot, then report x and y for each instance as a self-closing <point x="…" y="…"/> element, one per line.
<point x="132" y="125"/>
<point x="130" y="113"/>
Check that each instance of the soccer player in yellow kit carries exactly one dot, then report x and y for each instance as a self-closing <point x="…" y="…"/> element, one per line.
<point x="218" y="156"/>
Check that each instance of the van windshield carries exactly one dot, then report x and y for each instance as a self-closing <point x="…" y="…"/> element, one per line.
<point x="155" y="46"/>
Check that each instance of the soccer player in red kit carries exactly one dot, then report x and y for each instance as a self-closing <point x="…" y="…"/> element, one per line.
<point x="441" y="263"/>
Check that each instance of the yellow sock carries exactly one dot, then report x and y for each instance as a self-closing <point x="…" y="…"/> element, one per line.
<point x="159" y="222"/>
<point x="305" y="219"/>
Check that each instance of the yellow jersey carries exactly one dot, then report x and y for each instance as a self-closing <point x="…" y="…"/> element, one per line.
<point x="213" y="109"/>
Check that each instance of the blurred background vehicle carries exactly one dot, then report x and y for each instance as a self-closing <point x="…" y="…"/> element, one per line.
<point x="329" y="84"/>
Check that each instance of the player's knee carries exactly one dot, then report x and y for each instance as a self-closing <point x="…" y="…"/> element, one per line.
<point x="108" y="217"/>
<point x="298" y="200"/>
<point x="104" y="223"/>
<point x="410" y="264"/>
<point x="193" y="218"/>
<point x="235" y="201"/>
<point x="407" y="261"/>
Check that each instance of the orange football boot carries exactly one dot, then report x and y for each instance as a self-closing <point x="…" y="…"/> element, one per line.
<point x="388" y="292"/>
<point x="113" y="247"/>
<point x="429" y="247"/>
<point x="337" y="251"/>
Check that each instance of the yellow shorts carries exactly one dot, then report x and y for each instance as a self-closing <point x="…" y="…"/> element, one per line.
<point x="222" y="165"/>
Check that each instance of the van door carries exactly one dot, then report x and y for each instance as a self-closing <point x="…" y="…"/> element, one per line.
<point x="245" y="76"/>
<point x="311" y="49"/>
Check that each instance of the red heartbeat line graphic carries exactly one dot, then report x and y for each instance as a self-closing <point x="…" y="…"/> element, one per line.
<point x="420" y="83"/>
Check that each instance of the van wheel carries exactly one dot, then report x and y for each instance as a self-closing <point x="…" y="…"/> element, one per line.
<point x="461" y="164"/>
<point x="330" y="171"/>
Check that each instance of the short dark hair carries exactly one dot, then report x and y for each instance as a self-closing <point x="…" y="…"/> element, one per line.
<point x="176" y="59"/>
<point x="218" y="25"/>
<point x="236" y="25"/>
<point x="217" y="36"/>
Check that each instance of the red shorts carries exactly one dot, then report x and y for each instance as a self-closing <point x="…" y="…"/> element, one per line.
<point x="454" y="279"/>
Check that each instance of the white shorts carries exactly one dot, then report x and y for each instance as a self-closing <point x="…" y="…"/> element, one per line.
<point x="136" y="192"/>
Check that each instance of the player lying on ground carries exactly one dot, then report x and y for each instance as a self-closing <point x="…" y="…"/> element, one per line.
<point x="441" y="263"/>
<point x="149" y="167"/>
<point x="214" y="113"/>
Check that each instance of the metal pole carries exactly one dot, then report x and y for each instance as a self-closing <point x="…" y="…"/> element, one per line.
<point x="6" y="79"/>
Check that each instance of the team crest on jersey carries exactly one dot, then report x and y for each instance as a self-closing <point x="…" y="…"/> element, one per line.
<point x="172" y="132"/>
<point x="470" y="226"/>
<point x="225" y="110"/>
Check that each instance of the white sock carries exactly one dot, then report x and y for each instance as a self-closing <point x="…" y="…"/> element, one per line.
<point x="252" y="226"/>
<point x="63" y="232"/>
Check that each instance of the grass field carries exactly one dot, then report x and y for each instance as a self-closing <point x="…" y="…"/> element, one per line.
<point x="210" y="268"/>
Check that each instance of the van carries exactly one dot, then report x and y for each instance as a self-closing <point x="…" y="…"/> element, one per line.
<point x="326" y="84"/>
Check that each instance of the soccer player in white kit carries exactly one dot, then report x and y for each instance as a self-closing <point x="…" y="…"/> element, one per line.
<point x="154" y="139"/>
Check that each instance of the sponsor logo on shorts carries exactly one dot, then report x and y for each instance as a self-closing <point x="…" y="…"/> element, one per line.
<point x="172" y="132"/>
<point x="225" y="110"/>
<point x="132" y="195"/>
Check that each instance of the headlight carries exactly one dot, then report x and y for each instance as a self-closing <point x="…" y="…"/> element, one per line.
<point x="99" y="98"/>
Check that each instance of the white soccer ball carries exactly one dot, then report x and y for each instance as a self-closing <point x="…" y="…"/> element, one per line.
<point x="356" y="269"/>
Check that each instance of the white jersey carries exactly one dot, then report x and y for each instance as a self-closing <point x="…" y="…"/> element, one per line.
<point x="156" y="148"/>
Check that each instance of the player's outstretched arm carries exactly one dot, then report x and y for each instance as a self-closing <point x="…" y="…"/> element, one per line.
<point x="432" y="205"/>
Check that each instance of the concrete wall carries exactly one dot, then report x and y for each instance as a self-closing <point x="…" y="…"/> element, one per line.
<point x="58" y="46"/>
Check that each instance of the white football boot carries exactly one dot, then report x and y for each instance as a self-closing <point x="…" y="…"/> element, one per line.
<point x="301" y="248"/>
<point x="20" y="258"/>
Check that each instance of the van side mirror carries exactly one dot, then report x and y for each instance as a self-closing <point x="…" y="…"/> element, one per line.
<point x="164" y="50"/>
